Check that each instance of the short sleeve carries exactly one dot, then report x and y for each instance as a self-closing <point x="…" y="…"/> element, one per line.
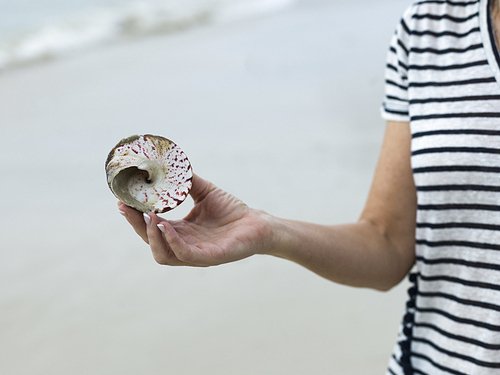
<point x="395" y="106"/>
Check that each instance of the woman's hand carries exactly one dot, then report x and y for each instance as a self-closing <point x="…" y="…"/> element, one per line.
<point x="376" y="252"/>
<point x="219" y="229"/>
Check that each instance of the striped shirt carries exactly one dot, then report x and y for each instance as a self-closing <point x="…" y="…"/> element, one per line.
<point x="443" y="77"/>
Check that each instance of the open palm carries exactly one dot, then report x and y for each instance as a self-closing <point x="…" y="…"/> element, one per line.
<point x="219" y="229"/>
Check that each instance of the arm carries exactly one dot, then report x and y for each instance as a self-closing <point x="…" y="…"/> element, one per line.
<point x="376" y="252"/>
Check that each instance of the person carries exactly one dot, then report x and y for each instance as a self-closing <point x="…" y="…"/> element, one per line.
<point x="434" y="202"/>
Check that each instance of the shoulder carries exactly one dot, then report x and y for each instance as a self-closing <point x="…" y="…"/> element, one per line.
<point x="427" y="21"/>
<point x="436" y="14"/>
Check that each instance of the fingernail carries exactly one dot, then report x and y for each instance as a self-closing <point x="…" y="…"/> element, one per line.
<point x="122" y="212"/>
<point x="162" y="228"/>
<point x="147" y="219"/>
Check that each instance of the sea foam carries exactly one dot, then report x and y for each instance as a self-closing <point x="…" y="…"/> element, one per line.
<point x="106" y="25"/>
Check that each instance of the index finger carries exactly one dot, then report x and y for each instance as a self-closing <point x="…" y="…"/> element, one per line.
<point x="136" y="219"/>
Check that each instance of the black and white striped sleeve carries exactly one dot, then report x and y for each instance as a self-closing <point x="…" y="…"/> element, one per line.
<point x="396" y="105"/>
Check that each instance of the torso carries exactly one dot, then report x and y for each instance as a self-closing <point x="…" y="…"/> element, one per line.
<point x="453" y="88"/>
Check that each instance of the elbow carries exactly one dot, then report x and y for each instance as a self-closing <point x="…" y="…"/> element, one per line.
<point x="386" y="286"/>
<point x="389" y="284"/>
<point x="396" y="253"/>
<point x="402" y="263"/>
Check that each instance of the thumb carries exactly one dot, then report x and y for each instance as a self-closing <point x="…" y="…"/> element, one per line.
<point x="201" y="188"/>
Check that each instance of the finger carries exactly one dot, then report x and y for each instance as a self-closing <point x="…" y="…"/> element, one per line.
<point x="177" y="245"/>
<point x="200" y="188"/>
<point x="135" y="219"/>
<point x="191" y="255"/>
<point x="162" y="252"/>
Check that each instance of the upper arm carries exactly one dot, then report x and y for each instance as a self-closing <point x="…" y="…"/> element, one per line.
<point x="392" y="202"/>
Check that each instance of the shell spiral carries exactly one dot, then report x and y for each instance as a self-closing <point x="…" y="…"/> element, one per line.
<point x="149" y="173"/>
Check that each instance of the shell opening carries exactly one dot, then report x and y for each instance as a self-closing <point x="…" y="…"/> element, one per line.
<point x="126" y="183"/>
<point x="152" y="170"/>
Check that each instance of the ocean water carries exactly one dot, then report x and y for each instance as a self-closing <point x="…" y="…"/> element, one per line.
<point x="34" y="30"/>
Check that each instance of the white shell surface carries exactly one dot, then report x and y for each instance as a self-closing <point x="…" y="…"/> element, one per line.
<point x="149" y="173"/>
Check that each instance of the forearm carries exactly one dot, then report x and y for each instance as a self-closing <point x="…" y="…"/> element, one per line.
<point x="378" y="250"/>
<point x="358" y="254"/>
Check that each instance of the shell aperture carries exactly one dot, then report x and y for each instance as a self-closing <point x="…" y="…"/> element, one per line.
<point x="149" y="173"/>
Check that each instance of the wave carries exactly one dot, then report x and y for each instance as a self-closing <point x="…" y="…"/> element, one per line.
<point x="112" y="24"/>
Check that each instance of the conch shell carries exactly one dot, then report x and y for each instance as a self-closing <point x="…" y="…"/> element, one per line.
<point x="149" y="173"/>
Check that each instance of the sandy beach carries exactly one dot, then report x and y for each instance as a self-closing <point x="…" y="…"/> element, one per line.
<point x="280" y="110"/>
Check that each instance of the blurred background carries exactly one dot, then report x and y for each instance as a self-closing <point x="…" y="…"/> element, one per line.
<point x="275" y="101"/>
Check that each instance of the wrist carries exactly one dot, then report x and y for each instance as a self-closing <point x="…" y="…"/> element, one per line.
<point x="279" y="241"/>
